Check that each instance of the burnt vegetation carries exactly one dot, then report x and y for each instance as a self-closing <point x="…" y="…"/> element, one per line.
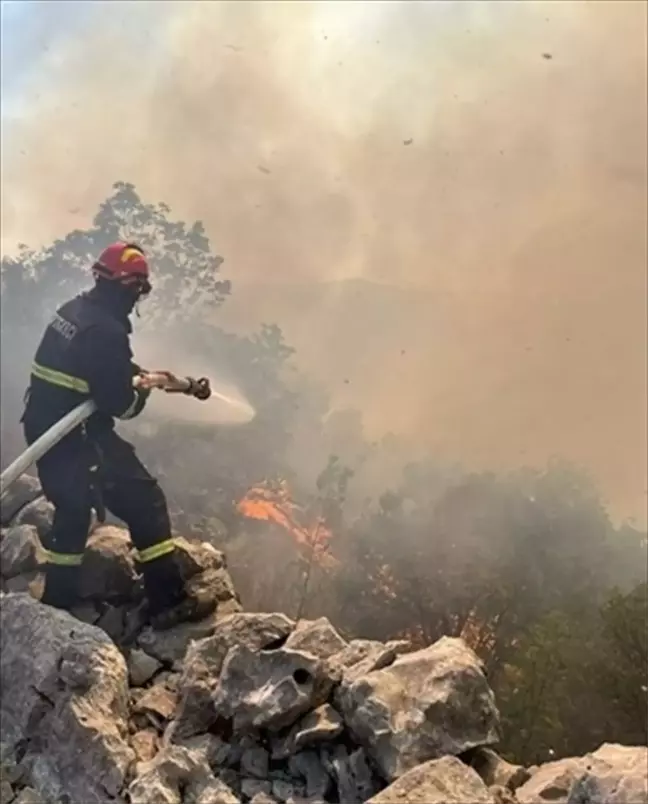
<point x="527" y="566"/>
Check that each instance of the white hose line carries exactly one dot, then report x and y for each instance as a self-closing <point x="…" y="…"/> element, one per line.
<point x="43" y="444"/>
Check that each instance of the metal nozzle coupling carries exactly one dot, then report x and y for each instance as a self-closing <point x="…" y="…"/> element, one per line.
<point x="199" y="388"/>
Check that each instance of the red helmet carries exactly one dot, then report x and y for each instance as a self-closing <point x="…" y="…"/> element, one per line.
<point x="124" y="263"/>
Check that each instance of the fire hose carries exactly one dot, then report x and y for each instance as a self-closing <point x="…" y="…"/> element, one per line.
<point x="164" y="380"/>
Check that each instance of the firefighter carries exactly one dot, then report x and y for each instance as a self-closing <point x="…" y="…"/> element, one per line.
<point x="85" y="353"/>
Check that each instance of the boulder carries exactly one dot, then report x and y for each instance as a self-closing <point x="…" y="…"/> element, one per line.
<point x="145" y="744"/>
<point x="352" y="774"/>
<point x="495" y="771"/>
<point x="39" y="513"/>
<point x="158" y="703"/>
<point x="170" y="646"/>
<point x="205" y="657"/>
<point x="317" y="637"/>
<point x="321" y="725"/>
<point x="108" y="569"/>
<point x="308" y="766"/>
<point x="20" y="551"/>
<point x="427" y="704"/>
<point x="141" y="667"/>
<point x="23" y="491"/>
<point x="179" y="775"/>
<point x="362" y="656"/>
<point x="64" y="702"/>
<point x="270" y="689"/>
<point x="255" y="762"/>
<point x="613" y="774"/>
<point x="196" y="557"/>
<point x="441" y="781"/>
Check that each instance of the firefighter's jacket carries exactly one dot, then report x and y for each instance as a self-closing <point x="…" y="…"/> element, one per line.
<point x="84" y="354"/>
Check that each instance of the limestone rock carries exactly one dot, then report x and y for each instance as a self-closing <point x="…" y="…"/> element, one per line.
<point x="441" y="781"/>
<point x="20" y="551"/>
<point x="179" y="775"/>
<point x="158" y="701"/>
<point x="613" y="774"/>
<point x="23" y="491"/>
<point x="255" y="789"/>
<point x="495" y="771"/>
<point x="205" y="657"/>
<point x="255" y="762"/>
<point x="145" y="744"/>
<point x="317" y="637"/>
<point x="33" y="583"/>
<point x="426" y="705"/>
<point x="362" y="656"/>
<point x="170" y="646"/>
<point x="320" y="725"/>
<point x="28" y="796"/>
<point x="64" y="699"/>
<point x="141" y="667"/>
<point x="108" y="570"/>
<point x="270" y="689"/>
<point x="196" y="557"/>
<point x="39" y="513"/>
<point x="6" y="792"/>
<point x="352" y="774"/>
<point x="308" y="766"/>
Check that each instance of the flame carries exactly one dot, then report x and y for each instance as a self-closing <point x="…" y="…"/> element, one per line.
<point x="272" y="503"/>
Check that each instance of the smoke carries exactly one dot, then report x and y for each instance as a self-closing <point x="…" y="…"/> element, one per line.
<point x="480" y="166"/>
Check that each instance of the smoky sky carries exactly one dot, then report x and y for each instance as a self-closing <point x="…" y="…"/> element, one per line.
<point x="486" y="161"/>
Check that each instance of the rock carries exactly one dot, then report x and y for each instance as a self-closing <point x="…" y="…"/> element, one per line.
<point x="255" y="762"/>
<point x="307" y="765"/>
<point x="39" y="513"/>
<point x="141" y="667"/>
<point x="254" y="788"/>
<point x="28" y="796"/>
<point x="20" y="551"/>
<point x="108" y="570"/>
<point x="64" y="701"/>
<point x="112" y="621"/>
<point x="85" y="612"/>
<point x="169" y="647"/>
<point x="23" y="491"/>
<point x="196" y="557"/>
<point x="362" y="656"/>
<point x="6" y="792"/>
<point x="283" y="791"/>
<point x="32" y="583"/>
<point x="263" y="798"/>
<point x="204" y="661"/>
<point x="158" y="701"/>
<point x="146" y="744"/>
<point x="320" y="725"/>
<point x="178" y="775"/>
<point x="613" y="774"/>
<point x="502" y="795"/>
<point x="352" y="774"/>
<point x="317" y="637"/>
<point x="440" y="781"/>
<point x="270" y="689"/>
<point x="495" y="771"/>
<point x="426" y="705"/>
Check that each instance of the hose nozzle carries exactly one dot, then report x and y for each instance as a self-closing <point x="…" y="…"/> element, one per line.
<point x="199" y="388"/>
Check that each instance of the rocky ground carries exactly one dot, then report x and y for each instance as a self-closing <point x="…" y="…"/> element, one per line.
<point x="244" y="707"/>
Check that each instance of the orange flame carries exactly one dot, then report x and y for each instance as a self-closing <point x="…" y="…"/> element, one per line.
<point x="275" y="505"/>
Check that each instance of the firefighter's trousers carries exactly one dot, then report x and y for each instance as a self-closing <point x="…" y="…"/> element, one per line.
<point x="80" y="473"/>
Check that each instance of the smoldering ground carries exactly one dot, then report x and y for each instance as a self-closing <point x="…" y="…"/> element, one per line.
<point x="482" y="166"/>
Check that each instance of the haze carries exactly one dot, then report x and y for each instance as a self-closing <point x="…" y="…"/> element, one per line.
<point x="442" y="204"/>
